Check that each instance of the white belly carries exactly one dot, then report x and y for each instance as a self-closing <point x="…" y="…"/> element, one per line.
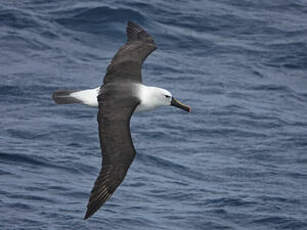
<point x="144" y="107"/>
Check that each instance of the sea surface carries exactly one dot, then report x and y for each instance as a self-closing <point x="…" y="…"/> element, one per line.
<point x="237" y="161"/>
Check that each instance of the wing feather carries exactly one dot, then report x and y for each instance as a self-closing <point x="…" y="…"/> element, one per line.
<point x="117" y="103"/>
<point x="115" y="111"/>
<point x="127" y="62"/>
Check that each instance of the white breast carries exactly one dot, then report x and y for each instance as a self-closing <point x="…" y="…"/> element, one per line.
<point x="150" y="98"/>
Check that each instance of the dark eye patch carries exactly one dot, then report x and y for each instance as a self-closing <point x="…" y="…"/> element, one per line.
<point x="167" y="96"/>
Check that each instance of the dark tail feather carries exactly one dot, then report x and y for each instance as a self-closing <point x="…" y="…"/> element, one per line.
<point x="63" y="97"/>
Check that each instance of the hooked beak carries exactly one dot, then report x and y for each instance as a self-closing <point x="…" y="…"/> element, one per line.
<point x="180" y="105"/>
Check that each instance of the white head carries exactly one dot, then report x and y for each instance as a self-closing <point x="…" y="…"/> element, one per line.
<point x="153" y="97"/>
<point x="162" y="96"/>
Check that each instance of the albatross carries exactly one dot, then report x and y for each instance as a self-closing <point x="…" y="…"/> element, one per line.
<point x="121" y="94"/>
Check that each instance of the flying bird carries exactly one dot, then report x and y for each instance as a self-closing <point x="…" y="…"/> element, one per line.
<point x="121" y="94"/>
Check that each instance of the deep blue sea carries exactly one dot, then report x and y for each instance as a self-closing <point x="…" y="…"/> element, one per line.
<point x="237" y="161"/>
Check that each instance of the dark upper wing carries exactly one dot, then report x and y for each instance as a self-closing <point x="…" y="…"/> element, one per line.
<point x="115" y="110"/>
<point x="127" y="62"/>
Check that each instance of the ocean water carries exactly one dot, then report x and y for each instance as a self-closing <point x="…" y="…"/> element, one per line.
<point x="238" y="161"/>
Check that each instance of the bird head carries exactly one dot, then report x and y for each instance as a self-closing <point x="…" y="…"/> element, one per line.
<point x="166" y="98"/>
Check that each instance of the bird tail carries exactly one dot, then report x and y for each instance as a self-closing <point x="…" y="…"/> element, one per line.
<point x="64" y="97"/>
<point x="88" y="97"/>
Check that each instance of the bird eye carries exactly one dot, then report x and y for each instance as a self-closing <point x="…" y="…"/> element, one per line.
<point x="167" y="96"/>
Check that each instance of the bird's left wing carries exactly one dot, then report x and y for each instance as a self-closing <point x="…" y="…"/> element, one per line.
<point x="117" y="148"/>
<point x="127" y="62"/>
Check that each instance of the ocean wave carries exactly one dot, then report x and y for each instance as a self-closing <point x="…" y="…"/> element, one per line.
<point x="18" y="19"/>
<point x="88" y="19"/>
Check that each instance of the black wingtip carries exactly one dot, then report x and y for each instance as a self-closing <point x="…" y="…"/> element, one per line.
<point x="132" y="31"/>
<point x="132" y="24"/>
<point x="87" y="215"/>
<point x="92" y="208"/>
<point x="136" y="32"/>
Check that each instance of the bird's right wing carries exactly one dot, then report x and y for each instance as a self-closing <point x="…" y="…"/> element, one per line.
<point x="127" y="62"/>
<point x="115" y="111"/>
